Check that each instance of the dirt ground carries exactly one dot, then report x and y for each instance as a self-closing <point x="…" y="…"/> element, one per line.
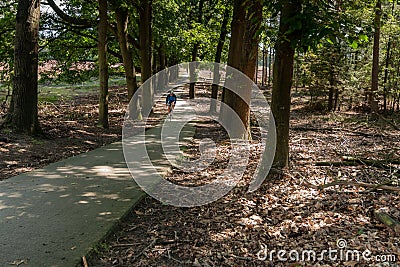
<point x="69" y="128"/>
<point x="288" y="213"/>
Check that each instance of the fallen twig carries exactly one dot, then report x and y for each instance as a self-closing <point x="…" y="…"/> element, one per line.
<point x="146" y="248"/>
<point x="387" y="220"/>
<point x="388" y="121"/>
<point x="370" y="162"/>
<point x="329" y="129"/>
<point x="237" y="257"/>
<point x="125" y="245"/>
<point x="84" y="261"/>
<point x="351" y="161"/>
<point x="358" y="184"/>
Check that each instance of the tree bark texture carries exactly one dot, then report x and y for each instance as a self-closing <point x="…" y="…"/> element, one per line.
<point x="373" y="103"/>
<point x="243" y="47"/>
<point x="145" y="15"/>
<point x="195" y="51"/>
<point x="103" y="64"/>
<point x="282" y="81"/>
<point x="217" y="59"/>
<point x="122" y="33"/>
<point x="23" y="112"/>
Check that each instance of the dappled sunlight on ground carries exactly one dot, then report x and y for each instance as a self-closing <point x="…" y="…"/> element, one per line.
<point x="286" y="213"/>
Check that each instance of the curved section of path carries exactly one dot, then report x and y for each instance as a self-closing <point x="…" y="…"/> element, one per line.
<point x="53" y="216"/>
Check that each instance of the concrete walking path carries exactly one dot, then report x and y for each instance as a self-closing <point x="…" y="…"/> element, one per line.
<point x="55" y="215"/>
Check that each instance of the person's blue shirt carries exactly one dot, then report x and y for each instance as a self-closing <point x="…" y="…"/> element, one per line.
<point x="171" y="98"/>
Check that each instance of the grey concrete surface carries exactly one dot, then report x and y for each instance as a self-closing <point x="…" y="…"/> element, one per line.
<point x="53" y="216"/>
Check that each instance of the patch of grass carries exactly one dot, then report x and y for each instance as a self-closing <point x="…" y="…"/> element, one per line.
<point x="37" y="142"/>
<point x="55" y="92"/>
<point x="334" y="117"/>
<point x="184" y="148"/>
<point x="50" y="98"/>
<point x="101" y="248"/>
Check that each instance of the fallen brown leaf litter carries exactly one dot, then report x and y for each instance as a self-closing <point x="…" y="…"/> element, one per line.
<point x="69" y="128"/>
<point x="289" y="213"/>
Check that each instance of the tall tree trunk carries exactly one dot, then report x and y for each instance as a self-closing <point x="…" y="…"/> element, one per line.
<point x="162" y="76"/>
<point x="127" y="59"/>
<point x="385" y="78"/>
<point x="145" y="14"/>
<point x="270" y="60"/>
<point x="192" y="68"/>
<point x="387" y="61"/>
<point x="282" y="81"/>
<point x="23" y="112"/>
<point x="252" y="39"/>
<point x="195" y="51"/>
<point x="217" y="59"/>
<point x="333" y="90"/>
<point x="263" y="66"/>
<point x="173" y="73"/>
<point x="122" y="32"/>
<point x="103" y="64"/>
<point x="373" y="103"/>
<point x="243" y="47"/>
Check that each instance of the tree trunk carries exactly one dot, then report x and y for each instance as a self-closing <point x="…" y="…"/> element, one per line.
<point x="270" y="60"/>
<point x="174" y="72"/>
<point x="218" y="54"/>
<point x="386" y="77"/>
<point x="373" y="103"/>
<point x="122" y="32"/>
<point x="192" y="67"/>
<point x="282" y="81"/>
<point x="103" y="64"/>
<point x="332" y="87"/>
<point x="263" y="67"/>
<point x="252" y="39"/>
<point x="243" y="48"/>
<point x="195" y="52"/>
<point x="387" y="61"/>
<point x="145" y="14"/>
<point x="127" y="59"/>
<point x="162" y="78"/>
<point x="23" y="112"/>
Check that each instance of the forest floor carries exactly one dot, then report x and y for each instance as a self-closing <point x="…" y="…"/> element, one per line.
<point x="287" y="213"/>
<point x="69" y="128"/>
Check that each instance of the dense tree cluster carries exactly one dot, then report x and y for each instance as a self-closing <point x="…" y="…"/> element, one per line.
<point x="345" y="53"/>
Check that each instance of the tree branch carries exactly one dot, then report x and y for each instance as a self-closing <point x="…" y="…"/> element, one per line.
<point x="383" y="186"/>
<point x="351" y="161"/>
<point x="328" y="129"/>
<point x="72" y="20"/>
<point x="113" y="29"/>
<point x="114" y="53"/>
<point x="388" y="121"/>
